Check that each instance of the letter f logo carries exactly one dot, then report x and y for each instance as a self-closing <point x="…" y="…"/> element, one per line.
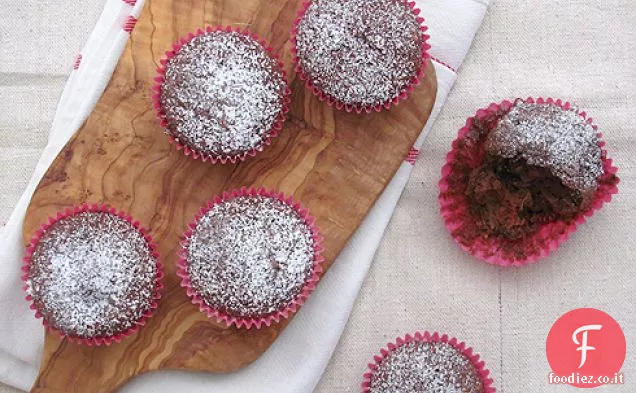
<point x="583" y="344"/>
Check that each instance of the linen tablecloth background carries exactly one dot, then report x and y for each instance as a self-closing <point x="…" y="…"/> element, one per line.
<point x="581" y="49"/>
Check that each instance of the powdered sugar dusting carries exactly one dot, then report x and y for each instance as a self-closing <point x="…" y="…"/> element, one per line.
<point x="222" y="94"/>
<point x="92" y="275"/>
<point x="360" y="52"/>
<point x="551" y="137"/>
<point x="431" y="367"/>
<point x="250" y="256"/>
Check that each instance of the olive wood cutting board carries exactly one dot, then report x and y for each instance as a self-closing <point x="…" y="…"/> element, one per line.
<point x="335" y="163"/>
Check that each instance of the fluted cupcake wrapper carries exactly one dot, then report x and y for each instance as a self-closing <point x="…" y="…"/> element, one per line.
<point x="101" y="208"/>
<point x="189" y="151"/>
<point x="334" y="102"/>
<point x="455" y="208"/>
<point x="268" y="319"/>
<point x="426" y="337"/>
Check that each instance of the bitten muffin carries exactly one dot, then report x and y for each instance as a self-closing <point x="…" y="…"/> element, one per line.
<point x="361" y="54"/>
<point x="251" y="258"/>
<point x="92" y="274"/>
<point x="542" y="163"/>
<point x="520" y="177"/>
<point x="222" y="95"/>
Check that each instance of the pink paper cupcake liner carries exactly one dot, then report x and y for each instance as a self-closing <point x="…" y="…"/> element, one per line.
<point x="480" y="365"/>
<point x="94" y="341"/>
<point x="454" y="205"/>
<point x="332" y="101"/>
<point x="161" y="116"/>
<point x="276" y="316"/>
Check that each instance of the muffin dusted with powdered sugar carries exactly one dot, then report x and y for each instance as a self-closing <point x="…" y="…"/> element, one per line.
<point x="93" y="274"/>
<point x="427" y="363"/>
<point x="251" y="258"/>
<point x="222" y="95"/>
<point x="360" y="54"/>
<point x="521" y="176"/>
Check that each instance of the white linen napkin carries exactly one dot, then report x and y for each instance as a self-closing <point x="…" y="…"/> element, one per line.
<point x="296" y="361"/>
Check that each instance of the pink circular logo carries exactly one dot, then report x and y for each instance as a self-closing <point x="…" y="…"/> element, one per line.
<point x="586" y="348"/>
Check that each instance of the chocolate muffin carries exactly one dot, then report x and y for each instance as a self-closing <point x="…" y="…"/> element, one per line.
<point x="222" y="95"/>
<point x="250" y="256"/>
<point x="92" y="275"/>
<point x="422" y="366"/>
<point x="542" y="163"/>
<point x="360" y="53"/>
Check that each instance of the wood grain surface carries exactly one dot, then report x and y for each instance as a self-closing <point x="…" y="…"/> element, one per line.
<point x="335" y="163"/>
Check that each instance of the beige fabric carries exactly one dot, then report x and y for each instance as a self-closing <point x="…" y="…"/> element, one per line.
<point x="581" y="49"/>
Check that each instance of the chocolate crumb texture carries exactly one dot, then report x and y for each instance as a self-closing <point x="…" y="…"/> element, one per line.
<point x="542" y="163"/>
